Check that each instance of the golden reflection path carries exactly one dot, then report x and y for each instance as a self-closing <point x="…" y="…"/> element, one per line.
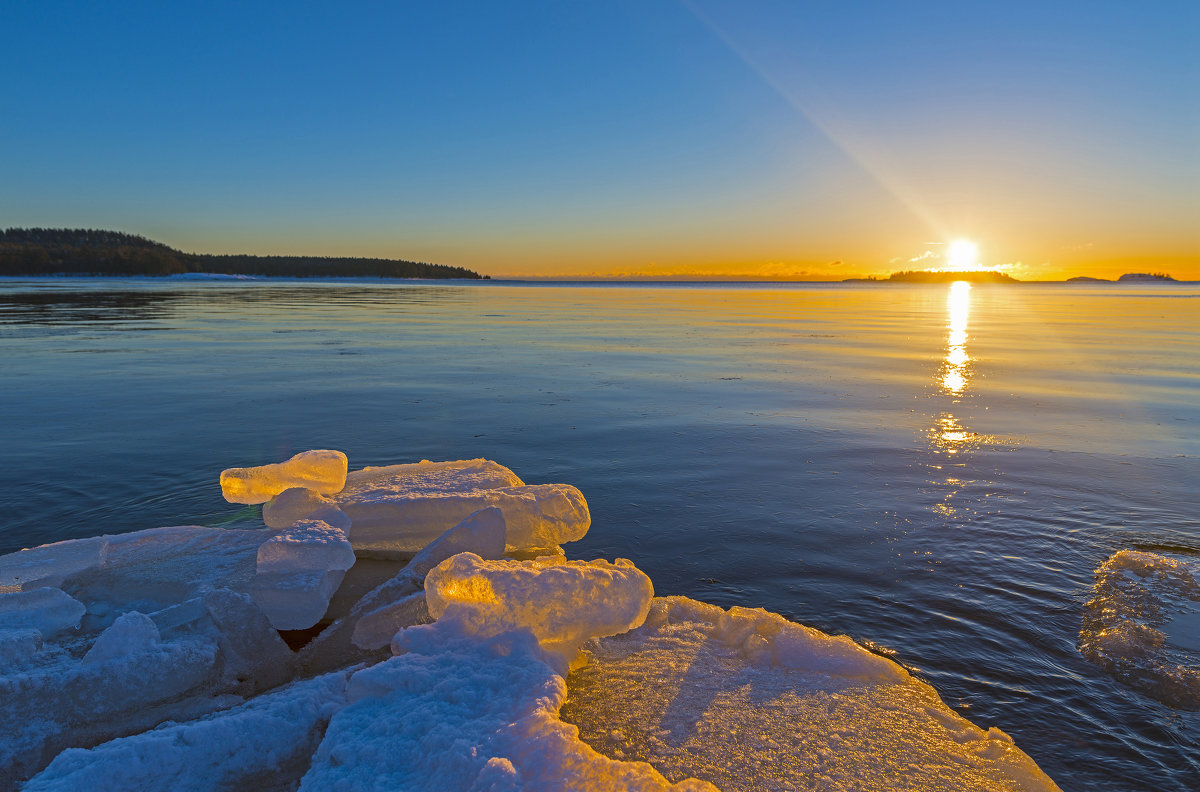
<point x="948" y="435"/>
<point x="955" y="368"/>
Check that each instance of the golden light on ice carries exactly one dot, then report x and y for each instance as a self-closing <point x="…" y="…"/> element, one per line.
<point x="962" y="256"/>
<point x="958" y="307"/>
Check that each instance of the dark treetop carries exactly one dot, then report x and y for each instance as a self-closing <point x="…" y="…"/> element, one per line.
<point x="67" y="251"/>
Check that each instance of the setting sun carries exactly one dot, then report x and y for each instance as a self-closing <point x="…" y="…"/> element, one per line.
<point x="962" y="255"/>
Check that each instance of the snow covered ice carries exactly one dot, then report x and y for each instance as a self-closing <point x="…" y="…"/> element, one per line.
<point x="298" y="570"/>
<point x="154" y="659"/>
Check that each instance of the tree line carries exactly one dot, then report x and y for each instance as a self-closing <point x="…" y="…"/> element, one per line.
<point x="77" y="251"/>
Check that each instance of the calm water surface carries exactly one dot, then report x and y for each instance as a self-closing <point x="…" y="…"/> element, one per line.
<point x="934" y="470"/>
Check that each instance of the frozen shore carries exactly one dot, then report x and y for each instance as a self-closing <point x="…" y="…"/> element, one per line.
<point x="445" y="641"/>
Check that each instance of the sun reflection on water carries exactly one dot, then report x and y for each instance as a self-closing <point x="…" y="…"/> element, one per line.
<point x="956" y="367"/>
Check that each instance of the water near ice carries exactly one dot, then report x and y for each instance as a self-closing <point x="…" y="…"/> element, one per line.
<point x="940" y="472"/>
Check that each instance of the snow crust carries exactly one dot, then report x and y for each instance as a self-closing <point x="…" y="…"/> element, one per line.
<point x="1124" y="625"/>
<point x="322" y="470"/>
<point x="153" y="659"/>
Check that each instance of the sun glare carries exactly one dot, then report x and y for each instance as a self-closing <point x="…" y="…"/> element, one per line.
<point x="962" y="256"/>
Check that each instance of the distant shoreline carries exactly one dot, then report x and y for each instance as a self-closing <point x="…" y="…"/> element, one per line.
<point x="76" y="252"/>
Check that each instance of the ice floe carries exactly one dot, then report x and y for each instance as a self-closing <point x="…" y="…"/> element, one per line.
<point x="1126" y="625"/>
<point x="323" y="471"/>
<point x="488" y="661"/>
<point x="748" y="700"/>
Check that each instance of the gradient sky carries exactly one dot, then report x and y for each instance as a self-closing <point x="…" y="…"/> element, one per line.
<point x="640" y="138"/>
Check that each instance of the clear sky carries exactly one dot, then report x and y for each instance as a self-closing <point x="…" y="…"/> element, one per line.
<point x="640" y="138"/>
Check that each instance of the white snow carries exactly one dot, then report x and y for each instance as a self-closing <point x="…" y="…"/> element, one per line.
<point x="320" y="470"/>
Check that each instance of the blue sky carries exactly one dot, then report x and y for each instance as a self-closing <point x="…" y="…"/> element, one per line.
<point x="620" y="138"/>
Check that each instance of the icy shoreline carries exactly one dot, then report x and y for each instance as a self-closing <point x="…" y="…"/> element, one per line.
<point x="155" y="658"/>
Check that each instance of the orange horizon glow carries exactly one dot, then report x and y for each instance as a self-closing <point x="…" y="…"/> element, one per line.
<point x="755" y="254"/>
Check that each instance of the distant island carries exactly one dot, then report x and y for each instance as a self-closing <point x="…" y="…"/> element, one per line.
<point x="66" y="251"/>
<point x="990" y="276"/>
<point x="1145" y="276"/>
<point x="940" y="276"/>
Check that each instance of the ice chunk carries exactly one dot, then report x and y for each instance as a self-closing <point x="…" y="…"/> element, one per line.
<point x="432" y="478"/>
<point x="299" y="569"/>
<point x="264" y="743"/>
<point x="131" y="633"/>
<point x="295" y="600"/>
<point x="390" y="519"/>
<point x="375" y="629"/>
<point x="48" y="610"/>
<point x="468" y="714"/>
<point x="563" y="603"/>
<point x="1125" y="626"/>
<point x="254" y="657"/>
<point x="309" y="545"/>
<point x="297" y="503"/>
<point x="153" y="569"/>
<point x="769" y="639"/>
<point x="49" y="565"/>
<point x="742" y="699"/>
<point x="481" y="533"/>
<point x="322" y="471"/>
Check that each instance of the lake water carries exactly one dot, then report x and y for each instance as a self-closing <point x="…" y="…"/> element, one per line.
<point x="936" y="471"/>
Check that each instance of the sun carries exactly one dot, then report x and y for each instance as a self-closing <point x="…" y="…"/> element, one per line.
<point x="962" y="256"/>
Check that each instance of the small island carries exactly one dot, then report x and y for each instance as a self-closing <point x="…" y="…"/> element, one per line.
<point x="1141" y="277"/>
<point x="90" y="252"/>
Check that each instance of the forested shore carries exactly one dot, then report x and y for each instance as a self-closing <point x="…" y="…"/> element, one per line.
<point x="66" y="251"/>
